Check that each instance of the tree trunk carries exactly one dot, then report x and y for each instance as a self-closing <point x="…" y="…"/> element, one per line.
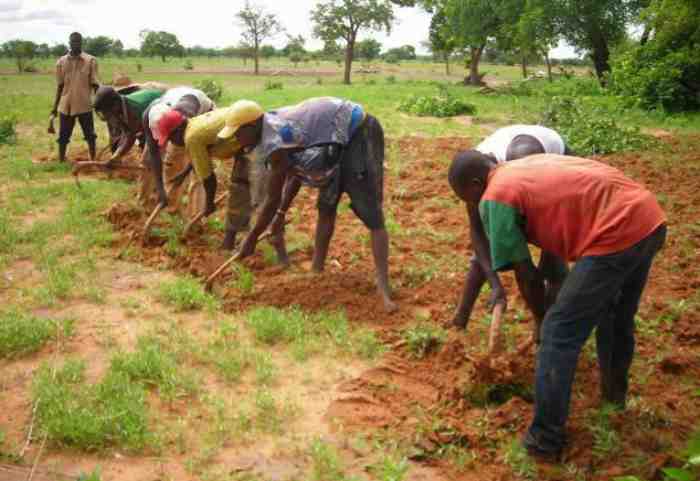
<point x="349" y="54"/>
<point x="256" y="53"/>
<point x="601" y="56"/>
<point x="524" y="66"/>
<point x="474" y="78"/>
<point x="645" y="35"/>
<point x="447" y="64"/>
<point x="548" y="61"/>
<point x="162" y="58"/>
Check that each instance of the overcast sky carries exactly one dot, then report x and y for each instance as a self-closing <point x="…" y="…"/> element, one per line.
<point x="209" y="23"/>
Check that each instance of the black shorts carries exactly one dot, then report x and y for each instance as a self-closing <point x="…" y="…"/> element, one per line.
<point x="361" y="176"/>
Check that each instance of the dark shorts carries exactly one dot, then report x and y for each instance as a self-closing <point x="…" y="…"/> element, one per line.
<point x="361" y="176"/>
<point x="67" y="123"/>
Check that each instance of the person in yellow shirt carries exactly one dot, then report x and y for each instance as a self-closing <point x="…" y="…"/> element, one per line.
<point x="199" y="136"/>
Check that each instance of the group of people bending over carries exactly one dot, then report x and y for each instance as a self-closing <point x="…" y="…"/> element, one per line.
<point x="521" y="186"/>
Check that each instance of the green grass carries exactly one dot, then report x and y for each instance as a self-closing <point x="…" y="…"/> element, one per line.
<point x="154" y="365"/>
<point x="22" y="333"/>
<point x="187" y="294"/>
<point x="424" y="339"/>
<point x="326" y="463"/>
<point x="519" y="461"/>
<point x="308" y="334"/>
<point x="90" y="417"/>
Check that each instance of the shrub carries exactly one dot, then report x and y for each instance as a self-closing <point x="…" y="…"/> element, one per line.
<point x="213" y="88"/>
<point x="589" y="129"/>
<point x="273" y="85"/>
<point x="443" y="104"/>
<point x="650" y="79"/>
<point x="8" y="132"/>
<point x="188" y="65"/>
<point x="391" y="79"/>
<point x="565" y="87"/>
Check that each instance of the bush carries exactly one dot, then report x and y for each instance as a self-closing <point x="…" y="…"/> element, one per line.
<point x="188" y="65"/>
<point x="391" y="79"/>
<point x="8" y="133"/>
<point x="590" y="129"/>
<point x="213" y="88"/>
<point x="565" y="87"/>
<point x="650" y="79"/>
<point x="443" y="104"/>
<point x="273" y="85"/>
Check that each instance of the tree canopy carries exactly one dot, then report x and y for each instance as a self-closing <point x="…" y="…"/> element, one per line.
<point x="343" y="19"/>
<point x="258" y="25"/>
<point x="21" y="50"/>
<point x="160" y="44"/>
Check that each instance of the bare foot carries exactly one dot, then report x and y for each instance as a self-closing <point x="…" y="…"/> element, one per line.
<point x="390" y="306"/>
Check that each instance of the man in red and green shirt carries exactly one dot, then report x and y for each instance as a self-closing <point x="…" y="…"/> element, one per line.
<point x="584" y="211"/>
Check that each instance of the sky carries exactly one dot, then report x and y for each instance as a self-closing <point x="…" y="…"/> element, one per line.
<point x="209" y="23"/>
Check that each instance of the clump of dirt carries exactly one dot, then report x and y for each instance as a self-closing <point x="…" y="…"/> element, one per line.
<point x="128" y="169"/>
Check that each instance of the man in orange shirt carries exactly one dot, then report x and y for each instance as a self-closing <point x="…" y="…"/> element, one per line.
<point x="584" y="211"/>
<point x="76" y="78"/>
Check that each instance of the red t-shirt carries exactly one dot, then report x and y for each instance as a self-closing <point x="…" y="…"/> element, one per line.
<point x="568" y="206"/>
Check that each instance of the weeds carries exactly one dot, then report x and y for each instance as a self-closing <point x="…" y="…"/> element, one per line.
<point x="423" y="339"/>
<point x="442" y="104"/>
<point x="22" y="334"/>
<point x="605" y="438"/>
<point x="187" y="294"/>
<point x="327" y="465"/>
<point x="154" y="366"/>
<point x="90" y="416"/>
<point x="390" y="469"/>
<point x="243" y="280"/>
<point x="519" y="461"/>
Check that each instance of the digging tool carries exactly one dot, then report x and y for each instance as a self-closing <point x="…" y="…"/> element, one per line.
<point x="176" y="182"/>
<point x="200" y="216"/>
<point x="52" y="128"/>
<point x="495" y="336"/>
<point x="210" y="280"/>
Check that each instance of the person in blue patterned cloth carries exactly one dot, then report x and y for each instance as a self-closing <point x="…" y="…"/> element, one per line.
<point x="327" y="143"/>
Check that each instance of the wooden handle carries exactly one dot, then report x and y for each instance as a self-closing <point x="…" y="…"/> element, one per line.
<point x="200" y="216"/>
<point x="495" y="341"/>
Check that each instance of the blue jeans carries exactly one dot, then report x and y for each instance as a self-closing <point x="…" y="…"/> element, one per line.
<point x="602" y="291"/>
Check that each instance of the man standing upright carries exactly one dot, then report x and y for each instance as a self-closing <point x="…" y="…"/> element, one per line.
<point x="76" y="78"/>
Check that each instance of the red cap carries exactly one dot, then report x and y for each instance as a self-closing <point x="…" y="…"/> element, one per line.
<point x="168" y="122"/>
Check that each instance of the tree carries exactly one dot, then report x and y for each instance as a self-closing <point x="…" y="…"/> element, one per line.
<point x="59" y="50"/>
<point x="294" y="45"/>
<point x="258" y="26"/>
<point x="117" y="48"/>
<point x="663" y="71"/>
<point x="595" y="26"/>
<point x="440" y="39"/>
<point x="21" y="51"/>
<point x="267" y="51"/>
<point x="43" y="50"/>
<point x="97" y="46"/>
<point x="369" y="49"/>
<point x="344" y="19"/>
<point x="536" y="32"/>
<point x="160" y="44"/>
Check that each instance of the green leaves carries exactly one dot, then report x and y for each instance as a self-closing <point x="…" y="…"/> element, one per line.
<point x="443" y="104"/>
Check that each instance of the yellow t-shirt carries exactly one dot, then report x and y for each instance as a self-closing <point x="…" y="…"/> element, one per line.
<point x="202" y="143"/>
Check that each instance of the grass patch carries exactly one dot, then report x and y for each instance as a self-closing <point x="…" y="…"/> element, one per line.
<point x="153" y="365"/>
<point x="521" y="464"/>
<point x="91" y="417"/>
<point x="308" y="334"/>
<point x="442" y="104"/>
<point x="187" y="294"/>
<point x="326" y="463"/>
<point x="424" y="339"/>
<point x="605" y="439"/>
<point x="22" y="334"/>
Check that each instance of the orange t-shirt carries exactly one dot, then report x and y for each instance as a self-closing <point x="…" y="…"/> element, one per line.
<point x="568" y="206"/>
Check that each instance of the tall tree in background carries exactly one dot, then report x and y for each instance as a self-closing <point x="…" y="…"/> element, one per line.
<point x="369" y="49"/>
<point x="258" y="26"/>
<point x="97" y="46"/>
<point x="536" y="31"/>
<point x="21" y="50"/>
<point x="440" y="39"/>
<point x="160" y="44"/>
<point x="117" y="48"/>
<point x="344" y="19"/>
<point x="595" y="26"/>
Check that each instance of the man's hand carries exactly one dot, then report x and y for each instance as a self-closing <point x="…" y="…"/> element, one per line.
<point x="54" y="112"/>
<point x="210" y="188"/>
<point x="495" y="334"/>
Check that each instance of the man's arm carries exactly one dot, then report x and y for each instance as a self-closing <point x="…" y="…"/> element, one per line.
<point x="94" y="76"/>
<point x="275" y="186"/>
<point x="59" y="88"/>
<point x="153" y="160"/>
<point x="531" y="284"/>
<point x="480" y="243"/>
<point x="126" y="142"/>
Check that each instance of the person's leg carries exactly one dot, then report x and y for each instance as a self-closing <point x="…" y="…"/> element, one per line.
<point x="473" y="283"/>
<point x="239" y="207"/>
<point x="366" y="193"/>
<point x="87" y="124"/>
<point x="615" y="340"/>
<point x="586" y="294"/>
<point x="325" y="227"/>
<point x="66" y="123"/>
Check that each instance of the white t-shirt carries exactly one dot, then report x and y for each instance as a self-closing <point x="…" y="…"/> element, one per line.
<point x="497" y="143"/>
<point x="170" y="99"/>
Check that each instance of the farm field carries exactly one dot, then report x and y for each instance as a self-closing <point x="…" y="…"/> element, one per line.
<point x="115" y="361"/>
